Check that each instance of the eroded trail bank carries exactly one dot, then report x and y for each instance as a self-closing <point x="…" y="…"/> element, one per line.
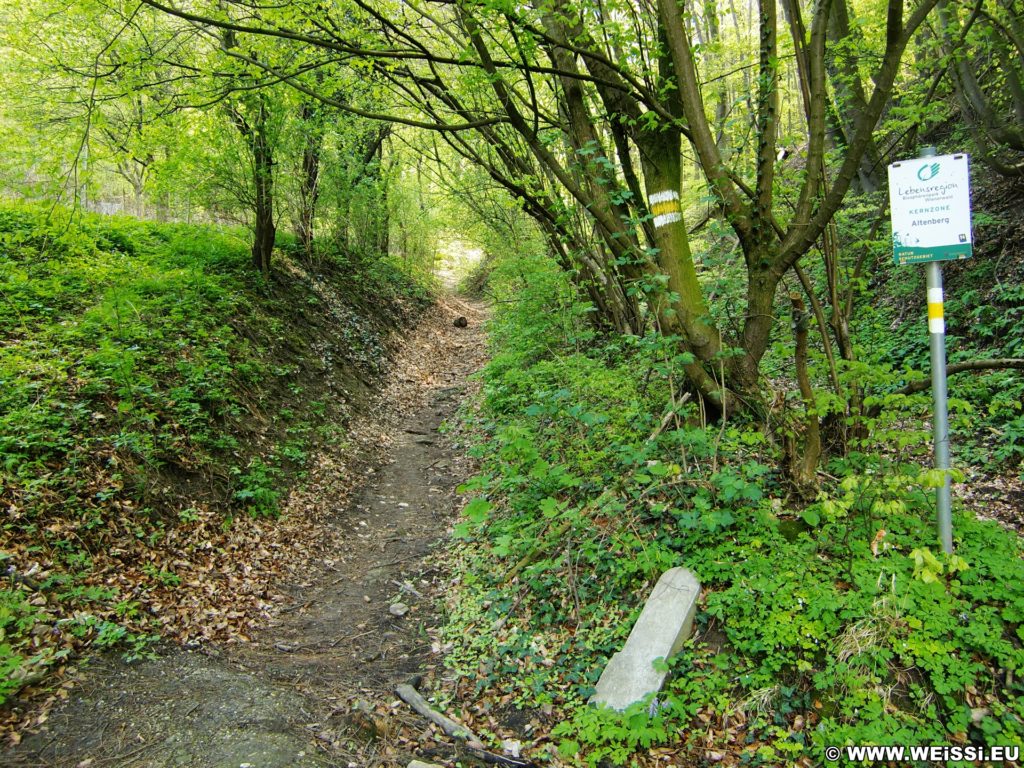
<point x="352" y="615"/>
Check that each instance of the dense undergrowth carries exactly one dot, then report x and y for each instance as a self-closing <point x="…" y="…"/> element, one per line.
<point x="984" y="299"/>
<point x="830" y="622"/>
<point x="152" y="388"/>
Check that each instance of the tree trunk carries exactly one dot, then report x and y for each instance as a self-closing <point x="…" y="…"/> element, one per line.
<point x="263" y="179"/>
<point x="844" y="76"/>
<point x="803" y="460"/>
<point x="383" y="240"/>
<point x="309" y="183"/>
<point x="681" y="309"/>
<point x="762" y="283"/>
<point x="251" y="117"/>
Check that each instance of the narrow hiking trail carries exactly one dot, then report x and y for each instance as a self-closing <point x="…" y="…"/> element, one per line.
<point x="314" y="685"/>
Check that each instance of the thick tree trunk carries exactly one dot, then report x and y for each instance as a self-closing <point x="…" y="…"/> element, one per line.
<point x="681" y="307"/>
<point x="762" y="283"/>
<point x="674" y="258"/>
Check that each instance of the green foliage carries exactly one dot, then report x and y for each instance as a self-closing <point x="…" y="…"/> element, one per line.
<point x="19" y="661"/>
<point x="984" y="319"/>
<point x="148" y="376"/>
<point x="123" y="350"/>
<point x="990" y="323"/>
<point x="256" y="488"/>
<point x="824" y="623"/>
<point x="614" y="736"/>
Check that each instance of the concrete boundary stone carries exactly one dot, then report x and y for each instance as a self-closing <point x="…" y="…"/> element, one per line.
<point x="665" y="622"/>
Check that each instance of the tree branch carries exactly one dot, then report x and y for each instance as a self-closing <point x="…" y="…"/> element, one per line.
<point x="996" y="364"/>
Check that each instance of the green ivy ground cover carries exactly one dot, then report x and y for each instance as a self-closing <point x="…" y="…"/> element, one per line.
<point x="829" y="622"/>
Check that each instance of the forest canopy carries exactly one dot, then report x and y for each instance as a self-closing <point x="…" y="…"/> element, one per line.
<point x="594" y="118"/>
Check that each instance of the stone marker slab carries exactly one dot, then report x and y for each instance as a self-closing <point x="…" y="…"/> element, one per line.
<point x="664" y="624"/>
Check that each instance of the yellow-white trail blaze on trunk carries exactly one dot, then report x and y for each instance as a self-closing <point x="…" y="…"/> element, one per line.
<point x="665" y="207"/>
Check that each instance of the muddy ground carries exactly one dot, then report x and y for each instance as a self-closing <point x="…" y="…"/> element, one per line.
<point x="315" y="686"/>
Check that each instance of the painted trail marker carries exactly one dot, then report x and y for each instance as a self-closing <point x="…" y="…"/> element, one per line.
<point x="930" y="200"/>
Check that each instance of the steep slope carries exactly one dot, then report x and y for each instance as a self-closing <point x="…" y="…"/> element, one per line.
<point x="158" y="401"/>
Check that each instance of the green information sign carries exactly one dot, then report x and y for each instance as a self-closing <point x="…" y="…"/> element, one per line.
<point x="930" y="200"/>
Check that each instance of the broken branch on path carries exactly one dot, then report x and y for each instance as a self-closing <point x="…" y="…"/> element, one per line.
<point x="454" y="730"/>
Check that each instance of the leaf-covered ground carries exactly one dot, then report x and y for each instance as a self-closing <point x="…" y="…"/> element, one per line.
<point x="158" y="403"/>
<point x="308" y="679"/>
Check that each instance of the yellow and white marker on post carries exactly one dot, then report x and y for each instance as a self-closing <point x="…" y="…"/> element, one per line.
<point x="936" y="318"/>
<point x="665" y="207"/>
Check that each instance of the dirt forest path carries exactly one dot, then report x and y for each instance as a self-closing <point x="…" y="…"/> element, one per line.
<point x="314" y="686"/>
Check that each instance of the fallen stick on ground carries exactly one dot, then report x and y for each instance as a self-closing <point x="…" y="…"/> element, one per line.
<point x="672" y="413"/>
<point x="454" y="730"/>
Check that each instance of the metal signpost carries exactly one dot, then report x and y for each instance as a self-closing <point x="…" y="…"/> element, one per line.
<point x="930" y="201"/>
